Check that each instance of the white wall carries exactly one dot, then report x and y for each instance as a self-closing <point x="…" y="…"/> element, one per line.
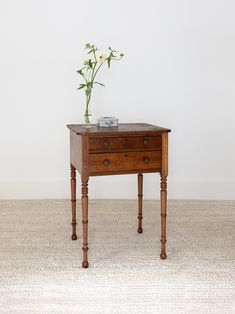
<point x="178" y="72"/>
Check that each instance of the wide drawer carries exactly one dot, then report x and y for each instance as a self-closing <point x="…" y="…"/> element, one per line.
<point x="132" y="142"/>
<point x="121" y="162"/>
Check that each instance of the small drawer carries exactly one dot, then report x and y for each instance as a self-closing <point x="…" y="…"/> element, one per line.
<point x="106" y="143"/>
<point x="121" y="162"/>
<point x="144" y="142"/>
<point x="130" y="142"/>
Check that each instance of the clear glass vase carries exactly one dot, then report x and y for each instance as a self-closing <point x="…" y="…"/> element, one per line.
<point x="88" y="119"/>
<point x="88" y="114"/>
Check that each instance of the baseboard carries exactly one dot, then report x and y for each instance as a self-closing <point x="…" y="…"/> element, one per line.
<point x="118" y="187"/>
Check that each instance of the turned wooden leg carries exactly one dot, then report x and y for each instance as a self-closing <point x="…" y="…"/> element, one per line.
<point x="85" y="263"/>
<point x="163" y="216"/>
<point x="73" y="200"/>
<point x="140" y="202"/>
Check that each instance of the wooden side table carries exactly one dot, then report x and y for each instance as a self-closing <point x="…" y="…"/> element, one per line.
<point x="126" y="149"/>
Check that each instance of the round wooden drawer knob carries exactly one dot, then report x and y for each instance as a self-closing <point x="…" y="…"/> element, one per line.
<point x="146" y="160"/>
<point x="106" y="162"/>
<point x="106" y="143"/>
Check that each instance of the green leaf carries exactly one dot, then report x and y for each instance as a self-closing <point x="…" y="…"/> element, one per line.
<point x="81" y="86"/>
<point x="90" y="63"/>
<point x="80" y="71"/>
<point x="99" y="84"/>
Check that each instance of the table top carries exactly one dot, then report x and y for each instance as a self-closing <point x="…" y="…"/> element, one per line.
<point x="121" y="129"/>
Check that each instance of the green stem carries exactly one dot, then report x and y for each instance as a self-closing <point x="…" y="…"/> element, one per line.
<point x="92" y="79"/>
<point x="94" y="75"/>
<point x="94" y="55"/>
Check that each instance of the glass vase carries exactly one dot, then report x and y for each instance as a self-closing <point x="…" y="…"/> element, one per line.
<point x="88" y="119"/>
<point x="88" y="114"/>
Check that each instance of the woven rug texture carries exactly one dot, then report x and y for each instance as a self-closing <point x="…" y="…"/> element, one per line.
<point x="40" y="266"/>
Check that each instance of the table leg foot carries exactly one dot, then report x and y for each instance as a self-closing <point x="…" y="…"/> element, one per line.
<point x="74" y="237"/>
<point x="85" y="264"/>
<point x="163" y="255"/>
<point x="140" y="230"/>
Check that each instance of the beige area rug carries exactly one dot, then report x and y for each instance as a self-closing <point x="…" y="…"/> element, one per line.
<point x="40" y="267"/>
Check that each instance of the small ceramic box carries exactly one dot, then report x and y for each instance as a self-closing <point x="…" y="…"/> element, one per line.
<point x="105" y="122"/>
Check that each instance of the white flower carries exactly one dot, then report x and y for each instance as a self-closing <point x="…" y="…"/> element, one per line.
<point x="101" y="57"/>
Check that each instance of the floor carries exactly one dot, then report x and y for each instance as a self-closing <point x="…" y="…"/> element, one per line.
<point x="40" y="266"/>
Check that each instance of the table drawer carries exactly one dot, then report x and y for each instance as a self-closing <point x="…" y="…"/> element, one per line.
<point x="121" y="162"/>
<point x="132" y="142"/>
